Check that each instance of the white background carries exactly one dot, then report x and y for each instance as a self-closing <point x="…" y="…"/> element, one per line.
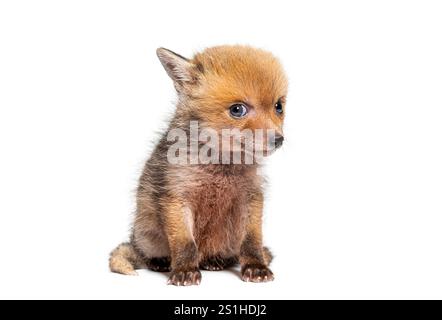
<point x="354" y="205"/>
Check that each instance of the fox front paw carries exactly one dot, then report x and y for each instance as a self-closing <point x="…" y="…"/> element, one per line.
<point x="256" y="273"/>
<point x="185" y="278"/>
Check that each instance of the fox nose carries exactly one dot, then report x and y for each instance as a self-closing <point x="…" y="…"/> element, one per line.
<point x="278" y="140"/>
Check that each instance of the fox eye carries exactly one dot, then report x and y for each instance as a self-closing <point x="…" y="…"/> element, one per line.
<point x="238" y="110"/>
<point x="278" y="107"/>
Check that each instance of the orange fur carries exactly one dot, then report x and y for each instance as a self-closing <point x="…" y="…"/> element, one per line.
<point x="238" y="74"/>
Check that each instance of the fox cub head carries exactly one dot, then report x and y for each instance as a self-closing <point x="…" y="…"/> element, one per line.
<point x="230" y="87"/>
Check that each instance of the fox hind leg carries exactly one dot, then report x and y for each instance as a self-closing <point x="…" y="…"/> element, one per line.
<point x="159" y="264"/>
<point x="217" y="263"/>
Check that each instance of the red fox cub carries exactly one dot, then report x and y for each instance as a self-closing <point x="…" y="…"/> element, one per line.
<point x="200" y="197"/>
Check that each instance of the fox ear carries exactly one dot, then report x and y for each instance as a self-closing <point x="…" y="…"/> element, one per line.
<point x="176" y="66"/>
